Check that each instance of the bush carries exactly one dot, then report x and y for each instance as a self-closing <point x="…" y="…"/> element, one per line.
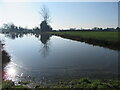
<point x="7" y="84"/>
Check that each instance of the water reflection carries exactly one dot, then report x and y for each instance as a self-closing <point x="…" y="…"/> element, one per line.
<point x="14" y="35"/>
<point x="65" y="58"/>
<point x="44" y="38"/>
<point x="45" y="49"/>
<point x="5" y="62"/>
<point x="9" y="73"/>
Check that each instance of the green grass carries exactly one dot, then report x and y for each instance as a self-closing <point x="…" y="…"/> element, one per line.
<point x="79" y="83"/>
<point x="106" y="35"/>
<point x="24" y="82"/>
<point x="10" y="84"/>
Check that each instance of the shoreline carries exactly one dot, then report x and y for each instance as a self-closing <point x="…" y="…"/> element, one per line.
<point x="5" y="56"/>
<point x="75" y="83"/>
<point x="92" y="41"/>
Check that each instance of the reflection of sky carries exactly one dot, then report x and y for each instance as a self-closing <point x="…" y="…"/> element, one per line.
<point x="64" y="54"/>
<point x="26" y="51"/>
<point x="64" y="15"/>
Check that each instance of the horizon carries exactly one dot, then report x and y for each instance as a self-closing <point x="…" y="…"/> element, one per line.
<point x="65" y="15"/>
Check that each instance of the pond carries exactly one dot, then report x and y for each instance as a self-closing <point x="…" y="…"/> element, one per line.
<point x="43" y="57"/>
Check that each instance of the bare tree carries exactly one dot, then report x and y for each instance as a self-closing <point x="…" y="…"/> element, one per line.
<point x="45" y="14"/>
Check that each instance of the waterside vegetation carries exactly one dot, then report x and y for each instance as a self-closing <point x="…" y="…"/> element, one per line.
<point x="108" y="39"/>
<point x="79" y="83"/>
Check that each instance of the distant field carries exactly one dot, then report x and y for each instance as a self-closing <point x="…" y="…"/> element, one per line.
<point x="102" y="35"/>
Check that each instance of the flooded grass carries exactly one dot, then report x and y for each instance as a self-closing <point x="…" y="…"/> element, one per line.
<point x="81" y="83"/>
<point x="10" y="84"/>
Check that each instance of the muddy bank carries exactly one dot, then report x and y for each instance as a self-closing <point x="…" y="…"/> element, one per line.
<point x="5" y="59"/>
<point x="5" y="56"/>
<point x="94" y="42"/>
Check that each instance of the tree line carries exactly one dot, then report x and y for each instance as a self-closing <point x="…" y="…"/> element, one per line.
<point x="12" y="28"/>
<point x="45" y="27"/>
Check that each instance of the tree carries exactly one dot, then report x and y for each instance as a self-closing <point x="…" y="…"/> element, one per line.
<point x="118" y="28"/>
<point x="5" y="26"/>
<point x="10" y="27"/>
<point x="46" y="18"/>
<point x="45" y="14"/>
<point x="45" y="27"/>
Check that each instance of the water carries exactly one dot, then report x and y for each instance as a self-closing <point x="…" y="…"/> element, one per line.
<point x="44" y="57"/>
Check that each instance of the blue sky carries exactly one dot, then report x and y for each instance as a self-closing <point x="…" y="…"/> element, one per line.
<point x="64" y="15"/>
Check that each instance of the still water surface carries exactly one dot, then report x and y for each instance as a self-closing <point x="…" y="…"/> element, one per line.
<point x="52" y="57"/>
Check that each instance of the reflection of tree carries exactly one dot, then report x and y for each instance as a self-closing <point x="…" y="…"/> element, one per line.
<point x="44" y="39"/>
<point x="45" y="50"/>
<point x="37" y="35"/>
<point x="21" y="35"/>
<point x="14" y="35"/>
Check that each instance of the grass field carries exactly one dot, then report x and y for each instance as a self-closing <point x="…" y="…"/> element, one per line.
<point x="102" y="35"/>
<point x="79" y="83"/>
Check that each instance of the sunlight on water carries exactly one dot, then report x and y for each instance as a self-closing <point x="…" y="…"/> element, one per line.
<point x="10" y="73"/>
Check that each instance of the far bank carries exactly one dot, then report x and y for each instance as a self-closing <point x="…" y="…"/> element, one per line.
<point x="109" y="39"/>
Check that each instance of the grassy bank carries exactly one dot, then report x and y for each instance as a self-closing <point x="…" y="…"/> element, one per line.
<point x="106" y="36"/>
<point x="102" y="38"/>
<point x="81" y="83"/>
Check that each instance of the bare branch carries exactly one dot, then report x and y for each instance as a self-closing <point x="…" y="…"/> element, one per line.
<point x="45" y="13"/>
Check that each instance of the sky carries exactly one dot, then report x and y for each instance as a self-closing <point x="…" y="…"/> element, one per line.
<point x="64" y="15"/>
